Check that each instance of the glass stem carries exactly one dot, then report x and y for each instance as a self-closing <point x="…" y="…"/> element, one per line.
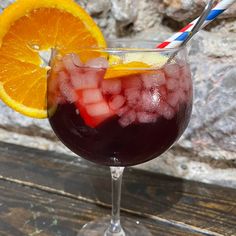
<point x="115" y="228"/>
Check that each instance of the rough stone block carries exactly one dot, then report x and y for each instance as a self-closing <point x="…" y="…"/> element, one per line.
<point x="206" y="152"/>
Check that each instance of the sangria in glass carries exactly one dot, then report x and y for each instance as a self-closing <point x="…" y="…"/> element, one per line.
<point x="119" y="106"/>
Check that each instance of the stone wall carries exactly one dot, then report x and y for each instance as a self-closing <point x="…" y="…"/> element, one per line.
<point x="207" y="151"/>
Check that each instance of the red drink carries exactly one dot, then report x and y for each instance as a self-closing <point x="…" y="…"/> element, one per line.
<point x="120" y="121"/>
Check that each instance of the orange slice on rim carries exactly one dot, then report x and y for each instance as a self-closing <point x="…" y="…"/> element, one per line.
<point x="29" y="27"/>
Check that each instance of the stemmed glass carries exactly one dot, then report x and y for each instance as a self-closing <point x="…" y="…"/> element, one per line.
<point x="119" y="106"/>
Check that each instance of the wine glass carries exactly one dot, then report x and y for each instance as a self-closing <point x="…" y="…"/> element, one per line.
<point x="119" y="106"/>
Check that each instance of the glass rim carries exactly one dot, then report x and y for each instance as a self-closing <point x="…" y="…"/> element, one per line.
<point x="132" y="49"/>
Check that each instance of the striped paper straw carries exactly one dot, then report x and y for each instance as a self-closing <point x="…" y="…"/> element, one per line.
<point x="177" y="39"/>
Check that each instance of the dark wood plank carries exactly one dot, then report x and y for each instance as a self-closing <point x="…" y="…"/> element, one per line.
<point x="207" y="209"/>
<point x="27" y="211"/>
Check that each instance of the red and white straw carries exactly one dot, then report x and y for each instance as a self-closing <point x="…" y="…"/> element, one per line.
<point x="178" y="38"/>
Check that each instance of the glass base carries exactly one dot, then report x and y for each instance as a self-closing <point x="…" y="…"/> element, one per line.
<point x="99" y="227"/>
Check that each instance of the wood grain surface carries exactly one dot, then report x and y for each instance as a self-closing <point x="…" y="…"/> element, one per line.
<point x="46" y="193"/>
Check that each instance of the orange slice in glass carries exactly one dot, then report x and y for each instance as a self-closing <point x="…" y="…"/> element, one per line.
<point x="126" y="69"/>
<point x="29" y="28"/>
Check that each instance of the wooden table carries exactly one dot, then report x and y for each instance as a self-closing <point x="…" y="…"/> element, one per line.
<point x="46" y="193"/>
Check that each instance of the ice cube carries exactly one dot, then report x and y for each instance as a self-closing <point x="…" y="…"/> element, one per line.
<point x="68" y="63"/>
<point x="122" y="110"/>
<point x="117" y="102"/>
<point x="62" y="78"/>
<point x="85" y="80"/>
<point x="145" y="117"/>
<point x="127" y="118"/>
<point x="132" y="82"/>
<point x="166" y="110"/>
<point x="185" y="71"/>
<point x="149" y="100"/>
<point x="185" y="78"/>
<point x="76" y="60"/>
<point x="172" y="71"/>
<point x="92" y="96"/>
<point x="177" y="97"/>
<point x="98" y="109"/>
<point x="133" y="96"/>
<point x="153" y="79"/>
<point x="173" y="98"/>
<point x="99" y="62"/>
<point x="66" y="88"/>
<point x="163" y="92"/>
<point x="182" y="96"/>
<point x="172" y="84"/>
<point x="111" y="86"/>
<point x="181" y="62"/>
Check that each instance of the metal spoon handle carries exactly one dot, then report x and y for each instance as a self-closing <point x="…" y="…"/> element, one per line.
<point x="200" y="22"/>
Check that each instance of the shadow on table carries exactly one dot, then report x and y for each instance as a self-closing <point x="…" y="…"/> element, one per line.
<point x="143" y="192"/>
